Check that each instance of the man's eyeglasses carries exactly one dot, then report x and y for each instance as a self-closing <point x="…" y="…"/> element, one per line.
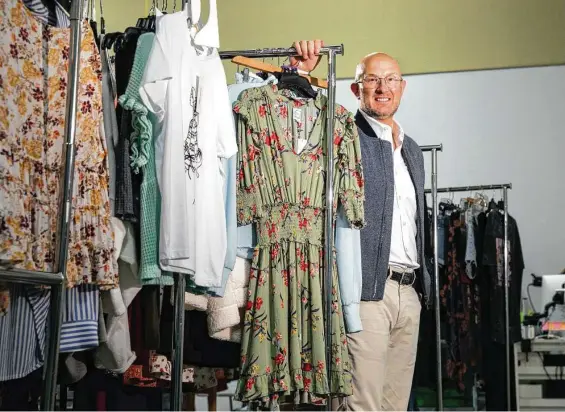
<point x="372" y="82"/>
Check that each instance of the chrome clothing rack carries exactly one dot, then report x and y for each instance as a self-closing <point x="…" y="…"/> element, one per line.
<point x="433" y="149"/>
<point x="57" y="278"/>
<point x="504" y="187"/>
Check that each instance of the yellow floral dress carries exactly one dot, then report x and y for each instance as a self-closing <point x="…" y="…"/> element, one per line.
<point x="281" y="190"/>
<point x="33" y="83"/>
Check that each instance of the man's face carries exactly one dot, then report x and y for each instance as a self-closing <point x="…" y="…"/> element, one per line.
<point x="381" y="87"/>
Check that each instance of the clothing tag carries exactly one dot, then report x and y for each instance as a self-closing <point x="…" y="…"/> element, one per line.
<point x="301" y="144"/>
<point x="297" y="114"/>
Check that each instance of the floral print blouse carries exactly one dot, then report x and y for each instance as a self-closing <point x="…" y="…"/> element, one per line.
<point x="34" y="60"/>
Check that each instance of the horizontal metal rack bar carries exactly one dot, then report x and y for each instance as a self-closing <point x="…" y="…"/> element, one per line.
<point x="430" y="147"/>
<point x="29" y="277"/>
<point x="276" y="52"/>
<point x="471" y="188"/>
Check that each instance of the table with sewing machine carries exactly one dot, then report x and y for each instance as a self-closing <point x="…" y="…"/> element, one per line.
<point x="540" y="374"/>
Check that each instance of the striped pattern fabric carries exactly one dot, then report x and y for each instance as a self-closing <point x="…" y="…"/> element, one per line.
<point x="80" y="319"/>
<point x="58" y="18"/>
<point x="23" y="332"/>
<point x="23" y="329"/>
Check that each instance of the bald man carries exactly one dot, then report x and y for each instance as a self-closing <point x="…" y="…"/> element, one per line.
<point x="396" y="282"/>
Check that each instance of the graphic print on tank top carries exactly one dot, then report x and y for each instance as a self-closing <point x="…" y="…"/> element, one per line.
<point x="192" y="152"/>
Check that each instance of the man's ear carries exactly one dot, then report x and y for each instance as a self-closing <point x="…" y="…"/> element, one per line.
<point x="355" y="90"/>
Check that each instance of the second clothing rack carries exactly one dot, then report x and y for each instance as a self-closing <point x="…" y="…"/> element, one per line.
<point x="504" y="187"/>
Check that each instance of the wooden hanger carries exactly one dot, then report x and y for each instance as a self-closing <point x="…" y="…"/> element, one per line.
<point x="269" y="68"/>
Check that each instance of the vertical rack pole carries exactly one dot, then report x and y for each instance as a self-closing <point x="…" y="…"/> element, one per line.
<point x="435" y="212"/>
<point x="178" y="332"/>
<point x="57" y="291"/>
<point x="178" y="343"/>
<point x="329" y="232"/>
<point x="507" y="301"/>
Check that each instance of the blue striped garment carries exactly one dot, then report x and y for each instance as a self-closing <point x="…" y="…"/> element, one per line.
<point x="23" y="329"/>
<point x="58" y="18"/>
<point x="80" y="319"/>
<point x="23" y="332"/>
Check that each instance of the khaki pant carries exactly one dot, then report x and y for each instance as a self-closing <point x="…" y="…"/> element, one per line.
<point x="383" y="355"/>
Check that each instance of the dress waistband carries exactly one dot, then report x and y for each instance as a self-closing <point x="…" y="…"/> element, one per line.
<point x="294" y="223"/>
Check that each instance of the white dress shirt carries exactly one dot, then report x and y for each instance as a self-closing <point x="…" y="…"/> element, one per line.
<point x="403" y="250"/>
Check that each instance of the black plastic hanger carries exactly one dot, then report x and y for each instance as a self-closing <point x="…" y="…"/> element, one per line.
<point x="300" y="85"/>
<point x="492" y="205"/>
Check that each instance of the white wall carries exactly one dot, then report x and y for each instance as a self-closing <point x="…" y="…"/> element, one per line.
<point x="497" y="126"/>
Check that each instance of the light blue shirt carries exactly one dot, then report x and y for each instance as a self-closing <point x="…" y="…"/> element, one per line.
<point x="235" y="236"/>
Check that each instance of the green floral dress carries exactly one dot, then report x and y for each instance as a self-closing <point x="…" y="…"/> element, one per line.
<point x="281" y="189"/>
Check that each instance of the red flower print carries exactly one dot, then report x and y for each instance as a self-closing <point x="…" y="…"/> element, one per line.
<point x="274" y="252"/>
<point x="334" y="307"/>
<point x="359" y="179"/>
<point x="14" y="51"/>
<point x="86" y="107"/>
<point x="267" y="369"/>
<point x="306" y="201"/>
<point x="279" y="359"/>
<point x="297" y="103"/>
<point x="258" y="303"/>
<point x="250" y="383"/>
<point x="320" y="367"/>
<point x="37" y="94"/>
<point x="261" y="281"/>
<point x="307" y="382"/>
<point x="303" y="265"/>
<point x="249" y="305"/>
<point x="302" y="223"/>
<point x="284" y="112"/>
<point x="284" y="274"/>
<point x="298" y="377"/>
<point x="272" y="229"/>
<point x="89" y="90"/>
<point x="307" y="367"/>
<point x="252" y="151"/>
<point x="337" y="361"/>
<point x="337" y="139"/>
<point x="304" y="299"/>
<point x="263" y="110"/>
<point x="236" y="108"/>
<point x="243" y="359"/>
<point x="24" y="34"/>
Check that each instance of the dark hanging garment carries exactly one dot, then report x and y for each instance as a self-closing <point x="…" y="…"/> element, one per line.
<point x="493" y="266"/>
<point x="21" y="394"/>
<point x="202" y="350"/>
<point x="490" y="261"/>
<point x="199" y="348"/>
<point x="127" y="184"/>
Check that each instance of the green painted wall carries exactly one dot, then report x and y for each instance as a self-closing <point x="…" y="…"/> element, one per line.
<point x="120" y="14"/>
<point x="424" y="35"/>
